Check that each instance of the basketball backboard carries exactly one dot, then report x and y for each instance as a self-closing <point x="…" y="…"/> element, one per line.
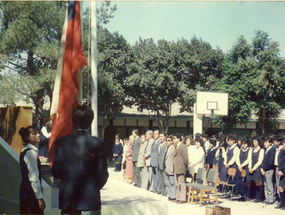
<point x="212" y="103"/>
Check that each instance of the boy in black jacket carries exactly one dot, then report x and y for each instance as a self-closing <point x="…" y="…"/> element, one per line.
<point x="267" y="170"/>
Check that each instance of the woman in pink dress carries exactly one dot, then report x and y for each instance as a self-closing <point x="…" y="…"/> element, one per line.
<point x="129" y="162"/>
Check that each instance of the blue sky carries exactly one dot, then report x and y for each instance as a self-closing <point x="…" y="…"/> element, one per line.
<point x="219" y="23"/>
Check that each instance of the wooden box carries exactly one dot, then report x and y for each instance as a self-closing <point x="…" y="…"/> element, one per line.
<point x="216" y="210"/>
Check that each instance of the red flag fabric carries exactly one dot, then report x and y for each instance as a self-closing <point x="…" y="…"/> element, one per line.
<point x="66" y="87"/>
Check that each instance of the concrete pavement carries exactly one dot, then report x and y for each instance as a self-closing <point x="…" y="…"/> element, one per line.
<point x="120" y="194"/>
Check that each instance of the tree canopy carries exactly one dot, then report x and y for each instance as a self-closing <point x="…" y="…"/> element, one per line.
<point x="253" y="75"/>
<point x="29" y="44"/>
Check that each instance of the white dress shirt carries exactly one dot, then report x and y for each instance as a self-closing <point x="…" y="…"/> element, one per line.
<point x="235" y="156"/>
<point x="30" y="159"/>
<point x="45" y="132"/>
<point x="191" y="153"/>
<point x="276" y="155"/>
<point x="198" y="159"/>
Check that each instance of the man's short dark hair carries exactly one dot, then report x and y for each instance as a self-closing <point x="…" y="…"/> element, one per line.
<point x="213" y="142"/>
<point x="232" y="137"/>
<point x="178" y="136"/>
<point x="197" y="135"/>
<point x="136" y="131"/>
<point x="267" y="138"/>
<point x="278" y="138"/>
<point x="82" y="117"/>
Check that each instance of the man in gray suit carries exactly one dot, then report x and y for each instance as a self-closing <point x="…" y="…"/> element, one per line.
<point x="168" y="173"/>
<point x="135" y="153"/>
<point x="147" y="173"/>
<point x="180" y="163"/>
<point x="141" y="163"/>
<point x="161" y="152"/>
<point x="154" y="161"/>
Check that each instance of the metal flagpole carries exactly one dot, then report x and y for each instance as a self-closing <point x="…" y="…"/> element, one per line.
<point x="94" y="92"/>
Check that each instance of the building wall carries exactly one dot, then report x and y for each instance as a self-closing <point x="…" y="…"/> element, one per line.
<point x="11" y="120"/>
<point x="125" y="125"/>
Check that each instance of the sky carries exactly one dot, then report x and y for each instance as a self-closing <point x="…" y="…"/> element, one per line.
<point x="218" y="23"/>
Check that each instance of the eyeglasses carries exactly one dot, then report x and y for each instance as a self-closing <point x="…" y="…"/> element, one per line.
<point x="168" y="140"/>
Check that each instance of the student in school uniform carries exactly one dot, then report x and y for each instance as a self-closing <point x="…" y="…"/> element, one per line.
<point x="221" y="153"/>
<point x="230" y="157"/>
<point x="117" y="154"/>
<point x="254" y="175"/>
<point x="267" y="170"/>
<point x="31" y="195"/>
<point x="281" y="173"/>
<point x="210" y="157"/>
<point x="242" y="163"/>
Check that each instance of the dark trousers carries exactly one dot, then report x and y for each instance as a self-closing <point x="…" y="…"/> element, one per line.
<point x="30" y="207"/>
<point x="70" y="212"/>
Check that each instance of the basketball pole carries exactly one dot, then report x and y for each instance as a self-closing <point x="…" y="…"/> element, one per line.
<point x="197" y="122"/>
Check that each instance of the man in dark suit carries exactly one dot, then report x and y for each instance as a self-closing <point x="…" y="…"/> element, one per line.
<point x="180" y="163"/>
<point x="135" y="153"/>
<point x="154" y="161"/>
<point x="80" y="162"/>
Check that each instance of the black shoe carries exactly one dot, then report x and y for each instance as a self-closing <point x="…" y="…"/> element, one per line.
<point x="242" y="199"/>
<point x="268" y="203"/>
<point x="279" y="206"/>
<point x="257" y="200"/>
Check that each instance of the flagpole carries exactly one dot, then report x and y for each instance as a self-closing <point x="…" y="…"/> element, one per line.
<point x="94" y="92"/>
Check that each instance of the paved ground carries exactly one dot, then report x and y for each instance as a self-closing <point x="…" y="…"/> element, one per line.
<point x="113" y="194"/>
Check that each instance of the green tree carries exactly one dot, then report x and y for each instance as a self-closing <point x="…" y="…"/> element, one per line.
<point x="29" y="41"/>
<point x="199" y="67"/>
<point x="152" y="84"/>
<point x="253" y="75"/>
<point x="269" y="82"/>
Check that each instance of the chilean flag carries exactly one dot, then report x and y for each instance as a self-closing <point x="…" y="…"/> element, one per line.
<point x="66" y="93"/>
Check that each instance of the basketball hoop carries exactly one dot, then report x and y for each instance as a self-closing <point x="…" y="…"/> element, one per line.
<point x="212" y="105"/>
<point x="209" y="103"/>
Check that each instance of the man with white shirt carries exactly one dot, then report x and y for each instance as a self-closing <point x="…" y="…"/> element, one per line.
<point x="206" y="143"/>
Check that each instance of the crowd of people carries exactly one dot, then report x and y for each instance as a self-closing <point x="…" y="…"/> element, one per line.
<point x="159" y="163"/>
